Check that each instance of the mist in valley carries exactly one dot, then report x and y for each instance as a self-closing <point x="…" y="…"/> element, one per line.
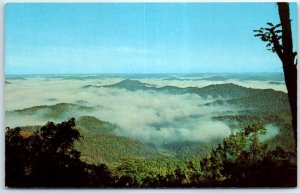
<point x="147" y="115"/>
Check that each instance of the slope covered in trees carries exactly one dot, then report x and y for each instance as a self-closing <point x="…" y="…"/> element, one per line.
<point x="47" y="158"/>
<point x="134" y="162"/>
<point x="50" y="111"/>
<point x="227" y="90"/>
<point x="262" y="101"/>
<point x="265" y="106"/>
<point x="99" y="143"/>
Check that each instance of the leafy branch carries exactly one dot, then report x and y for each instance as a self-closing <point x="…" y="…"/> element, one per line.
<point x="272" y="35"/>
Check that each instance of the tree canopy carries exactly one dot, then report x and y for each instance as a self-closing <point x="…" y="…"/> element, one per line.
<point x="47" y="158"/>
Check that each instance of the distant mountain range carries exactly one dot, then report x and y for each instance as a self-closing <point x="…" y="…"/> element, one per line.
<point x="276" y="83"/>
<point x="102" y="143"/>
<point x="227" y="91"/>
<point x="224" y="91"/>
<point x="264" y="100"/>
<point x="268" y="76"/>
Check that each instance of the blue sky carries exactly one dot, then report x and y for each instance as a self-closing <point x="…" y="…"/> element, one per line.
<point x="139" y="38"/>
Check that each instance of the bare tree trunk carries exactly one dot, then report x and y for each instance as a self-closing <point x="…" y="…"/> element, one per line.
<point x="289" y="67"/>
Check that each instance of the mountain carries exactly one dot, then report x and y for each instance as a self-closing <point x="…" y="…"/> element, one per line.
<point x="276" y="83"/>
<point x="215" y="78"/>
<point x="227" y="90"/>
<point x="191" y="149"/>
<point x="15" y="78"/>
<point x="52" y="99"/>
<point x="97" y="148"/>
<point x="267" y="100"/>
<point x="95" y="126"/>
<point x="87" y="86"/>
<point x="264" y="101"/>
<point x="50" y="111"/>
<point x="131" y="85"/>
<point x="99" y="143"/>
<point x="257" y="76"/>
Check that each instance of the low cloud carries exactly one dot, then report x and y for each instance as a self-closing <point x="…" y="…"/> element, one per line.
<point x="271" y="132"/>
<point x="146" y="115"/>
<point x="196" y="82"/>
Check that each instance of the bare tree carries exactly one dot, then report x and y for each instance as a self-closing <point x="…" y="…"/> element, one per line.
<point x="279" y="40"/>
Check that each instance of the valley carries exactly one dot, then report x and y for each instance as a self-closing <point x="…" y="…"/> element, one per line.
<point x="147" y="116"/>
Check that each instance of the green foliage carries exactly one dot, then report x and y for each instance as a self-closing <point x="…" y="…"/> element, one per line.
<point x="99" y="144"/>
<point x="186" y="150"/>
<point x="98" y="148"/>
<point x="228" y="90"/>
<point x="47" y="158"/>
<point x="249" y="162"/>
<point x="146" y="172"/>
<point x="131" y="171"/>
<point x="241" y="160"/>
<point x="269" y="34"/>
<point x="265" y="101"/>
<point x="56" y="111"/>
<point x="95" y="126"/>
<point x="283" y="120"/>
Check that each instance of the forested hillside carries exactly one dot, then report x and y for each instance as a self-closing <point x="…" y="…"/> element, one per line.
<point x="145" y="133"/>
<point x="227" y="91"/>
<point x="48" y="158"/>
<point x="104" y="142"/>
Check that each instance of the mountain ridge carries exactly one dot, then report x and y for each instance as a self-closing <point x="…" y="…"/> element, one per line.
<point x="226" y="90"/>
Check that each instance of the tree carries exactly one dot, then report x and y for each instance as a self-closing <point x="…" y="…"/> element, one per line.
<point x="248" y="162"/>
<point x="47" y="158"/>
<point x="280" y="42"/>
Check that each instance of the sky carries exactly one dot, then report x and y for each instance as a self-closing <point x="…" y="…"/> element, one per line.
<point x="139" y="38"/>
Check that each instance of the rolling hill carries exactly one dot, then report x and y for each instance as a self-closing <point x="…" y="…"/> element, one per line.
<point x="99" y="144"/>
<point x="263" y="101"/>
<point x="50" y="111"/>
<point x="228" y="90"/>
<point x="90" y="124"/>
<point x="131" y="85"/>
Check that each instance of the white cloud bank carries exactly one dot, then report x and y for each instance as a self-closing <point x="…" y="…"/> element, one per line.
<point x="146" y="115"/>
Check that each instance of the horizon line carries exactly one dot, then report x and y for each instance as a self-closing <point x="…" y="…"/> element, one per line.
<point x="140" y="73"/>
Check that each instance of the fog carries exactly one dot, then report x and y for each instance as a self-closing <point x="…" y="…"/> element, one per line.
<point x="146" y="115"/>
<point x="201" y="83"/>
<point x="271" y="131"/>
